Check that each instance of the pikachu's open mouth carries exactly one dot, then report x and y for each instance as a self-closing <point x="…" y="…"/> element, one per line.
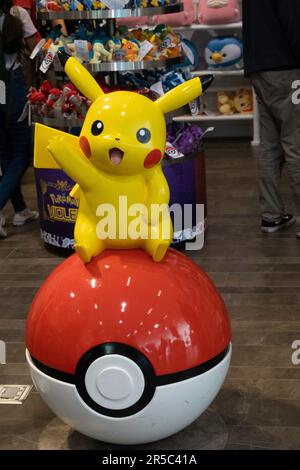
<point x="116" y="156"/>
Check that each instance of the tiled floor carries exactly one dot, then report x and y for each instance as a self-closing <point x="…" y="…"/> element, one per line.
<point x="259" y="278"/>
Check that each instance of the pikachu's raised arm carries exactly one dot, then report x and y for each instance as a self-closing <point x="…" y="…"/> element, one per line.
<point x="73" y="162"/>
<point x="56" y="149"/>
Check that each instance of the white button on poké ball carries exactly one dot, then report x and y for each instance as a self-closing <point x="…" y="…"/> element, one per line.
<point x="126" y="350"/>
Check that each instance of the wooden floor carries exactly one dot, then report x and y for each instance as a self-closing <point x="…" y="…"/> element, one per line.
<point x="259" y="279"/>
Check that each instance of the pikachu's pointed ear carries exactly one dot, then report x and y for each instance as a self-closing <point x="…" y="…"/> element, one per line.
<point x="80" y="77"/>
<point x="183" y="94"/>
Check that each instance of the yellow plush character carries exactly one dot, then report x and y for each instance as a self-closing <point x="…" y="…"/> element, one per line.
<point x="225" y="103"/>
<point x="116" y="163"/>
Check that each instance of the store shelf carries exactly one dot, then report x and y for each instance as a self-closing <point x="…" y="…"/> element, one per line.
<point x="109" y="14"/>
<point x="57" y="122"/>
<point x="219" y="73"/>
<point x="206" y="27"/>
<point x="126" y="66"/>
<point x="217" y="117"/>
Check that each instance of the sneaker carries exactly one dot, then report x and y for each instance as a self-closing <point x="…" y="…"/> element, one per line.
<point x="20" y="218"/>
<point x="272" y="227"/>
<point x="3" y="233"/>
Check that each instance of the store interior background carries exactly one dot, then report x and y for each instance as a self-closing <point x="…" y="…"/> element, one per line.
<point x="258" y="278"/>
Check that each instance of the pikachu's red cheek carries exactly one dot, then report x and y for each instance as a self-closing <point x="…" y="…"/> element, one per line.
<point x="153" y="158"/>
<point x="85" y="146"/>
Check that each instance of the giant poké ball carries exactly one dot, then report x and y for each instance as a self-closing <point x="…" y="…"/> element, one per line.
<point x="126" y="350"/>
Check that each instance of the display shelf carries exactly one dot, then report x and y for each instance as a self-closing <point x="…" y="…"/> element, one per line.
<point x="206" y="27"/>
<point x="219" y="73"/>
<point x="216" y="117"/>
<point x="126" y="66"/>
<point x="109" y="14"/>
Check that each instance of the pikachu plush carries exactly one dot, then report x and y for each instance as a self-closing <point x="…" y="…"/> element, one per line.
<point x="116" y="163"/>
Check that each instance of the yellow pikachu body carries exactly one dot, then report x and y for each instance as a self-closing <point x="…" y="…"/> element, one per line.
<point x="116" y="161"/>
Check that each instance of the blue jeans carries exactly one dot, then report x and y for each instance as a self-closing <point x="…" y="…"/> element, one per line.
<point x="15" y="143"/>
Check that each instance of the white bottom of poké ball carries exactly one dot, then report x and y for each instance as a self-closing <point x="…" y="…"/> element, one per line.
<point x="172" y="408"/>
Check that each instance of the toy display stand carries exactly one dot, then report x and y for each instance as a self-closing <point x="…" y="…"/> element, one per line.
<point x="186" y="175"/>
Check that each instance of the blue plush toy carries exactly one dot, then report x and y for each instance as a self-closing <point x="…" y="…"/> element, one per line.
<point x="224" y="52"/>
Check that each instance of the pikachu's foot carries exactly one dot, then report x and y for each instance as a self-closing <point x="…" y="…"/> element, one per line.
<point x="83" y="253"/>
<point x="160" y="251"/>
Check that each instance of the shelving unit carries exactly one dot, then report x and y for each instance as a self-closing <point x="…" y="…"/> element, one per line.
<point x="126" y="66"/>
<point x="109" y="14"/>
<point x="213" y="30"/>
<point x="217" y="117"/>
<point x="207" y="27"/>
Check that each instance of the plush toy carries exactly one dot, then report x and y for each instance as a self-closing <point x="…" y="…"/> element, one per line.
<point x="114" y="45"/>
<point x="46" y="87"/>
<point x="49" y="5"/>
<point x="131" y="49"/>
<point x="53" y="106"/>
<point x="184" y="138"/>
<point x="170" y="45"/>
<point x="75" y="5"/>
<point x="224" y="52"/>
<point x="52" y="37"/>
<point x="243" y="101"/>
<point x="184" y="18"/>
<point x="99" y="53"/>
<point x="36" y="100"/>
<point x="219" y="11"/>
<point x="225" y="104"/>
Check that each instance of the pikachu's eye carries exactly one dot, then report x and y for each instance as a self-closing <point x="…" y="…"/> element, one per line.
<point x="143" y="135"/>
<point x="97" y="127"/>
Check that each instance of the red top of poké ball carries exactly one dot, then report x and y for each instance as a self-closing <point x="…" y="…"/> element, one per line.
<point x="170" y="311"/>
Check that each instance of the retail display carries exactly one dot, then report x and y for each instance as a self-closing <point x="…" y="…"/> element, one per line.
<point x="95" y="46"/>
<point x="95" y="5"/>
<point x="241" y="102"/>
<point x="214" y="12"/>
<point x="224" y="52"/>
<point x="57" y="102"/>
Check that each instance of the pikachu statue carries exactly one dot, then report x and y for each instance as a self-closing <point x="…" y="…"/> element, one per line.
<point x="116" y="163"/>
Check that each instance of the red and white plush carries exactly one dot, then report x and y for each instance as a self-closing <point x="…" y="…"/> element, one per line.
<point x="184" y="18"/>
<point x="219" y="11"/>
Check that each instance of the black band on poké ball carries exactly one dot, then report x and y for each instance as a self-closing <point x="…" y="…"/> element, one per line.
<point x="124" y="350"/>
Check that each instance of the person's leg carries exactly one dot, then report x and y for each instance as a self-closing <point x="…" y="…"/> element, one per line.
<point x="14" y="165"/>
<point x="270" y="156"/>
<point x="17" y="200"/>
<point x="16" y="155"/>
<point x="290" y="129"/>
<point x="4" y="150"/>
